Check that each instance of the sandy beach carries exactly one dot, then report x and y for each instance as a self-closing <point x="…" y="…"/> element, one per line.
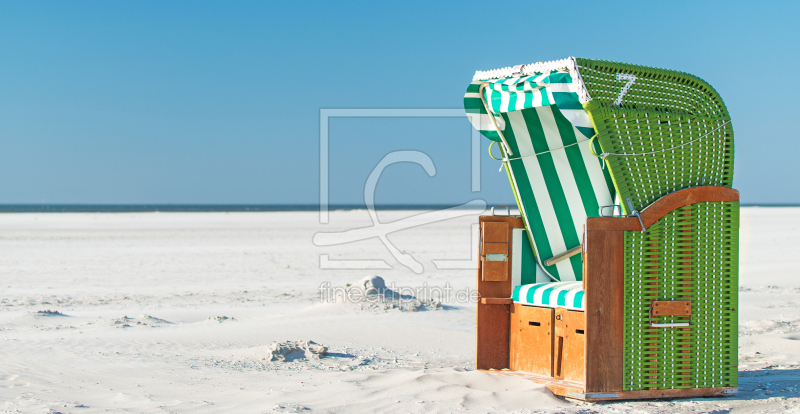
<point x="177" y="312"/>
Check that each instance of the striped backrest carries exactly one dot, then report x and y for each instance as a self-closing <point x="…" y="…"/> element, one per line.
<point x="545" y="140"/>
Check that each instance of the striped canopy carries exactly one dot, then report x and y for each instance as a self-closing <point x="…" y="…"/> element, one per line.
<point x="544" y="135"/>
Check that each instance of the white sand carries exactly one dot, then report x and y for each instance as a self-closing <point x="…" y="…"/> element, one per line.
<point x="175" y="312"/>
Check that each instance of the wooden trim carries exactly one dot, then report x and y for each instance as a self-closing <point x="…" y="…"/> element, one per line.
<point x="604" y="310"/>
<point x="493" y="319"/>
<point x="663" y="206"/>
<point x="569" y="392"/>
<point x="574" y="390"/>
<point x="497" y="301"/>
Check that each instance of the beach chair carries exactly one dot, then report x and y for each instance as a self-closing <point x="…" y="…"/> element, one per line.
<point x="619" y="278"/>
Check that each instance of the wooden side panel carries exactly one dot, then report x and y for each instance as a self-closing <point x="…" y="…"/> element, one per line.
<point x="493" y="319"/>
<point x="492" y="330"/>
<point x="574" y="363"/>
<point x="604" y="310"/>
<point x="533" y="340"/>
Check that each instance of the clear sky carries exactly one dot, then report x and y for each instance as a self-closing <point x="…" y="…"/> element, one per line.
<point x="219" y="102"/>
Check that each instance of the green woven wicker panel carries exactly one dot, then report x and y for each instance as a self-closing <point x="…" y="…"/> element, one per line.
<point x="669" y="130"/>
<point x="690" y="254"/>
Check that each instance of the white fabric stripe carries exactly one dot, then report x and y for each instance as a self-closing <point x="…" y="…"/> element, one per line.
<point x="560" y="87"/>
<point x="472" y="95"/>
<point x="504" y="97"/>
<point x="539" y="293"/>
<point x="550" y="96"/>
<point x="594" y="168"/>
<point x="554" y="294"/>
<point x="516" y="257"/>
<point x="541" y="275"/>
<point x="520" y="104"/>
<point x="578" y="117"/>
<point x="564" y="171"/>
<point x="571" y="295"/>
<point x="523" y="293"/>
<point x="535" y="177"/>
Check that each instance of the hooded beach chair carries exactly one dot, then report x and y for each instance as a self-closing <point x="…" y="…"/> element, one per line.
<point x="619" y="278"/>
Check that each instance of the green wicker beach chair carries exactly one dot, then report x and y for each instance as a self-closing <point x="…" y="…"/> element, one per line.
<point x="622" y="175"/>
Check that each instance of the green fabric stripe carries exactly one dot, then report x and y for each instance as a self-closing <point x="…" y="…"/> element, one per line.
<point x="562" y="298"/>
<point x="553" y="184"/>
<point x="576" y="164"/>
<point x="587" y="132"/>
<point x="474" y="87"/>
<point x="546" y="295"/>
<point x="474" y="103"/>
<point x="545" y="98"/>
<point x="528" y="262"/>
<point x="567" y="100"/>
<point x="523" y="185"/>
<point x="578" y="299"/>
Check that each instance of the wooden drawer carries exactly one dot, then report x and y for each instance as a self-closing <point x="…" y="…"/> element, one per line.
<point x="569" y="345"/>
<point x="531" y="339"/>
<point x="494" y="252"/>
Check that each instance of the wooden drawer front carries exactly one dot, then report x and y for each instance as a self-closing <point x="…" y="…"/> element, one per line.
<point x="494" y="232"/>
<point x="532" y="339"/>
<point x="495" y="262"/>
<point x="570" y="345"/>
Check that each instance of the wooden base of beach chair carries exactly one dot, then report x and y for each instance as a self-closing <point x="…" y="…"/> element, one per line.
<point x="576" y="390"/>
<point x="581" y="354"/>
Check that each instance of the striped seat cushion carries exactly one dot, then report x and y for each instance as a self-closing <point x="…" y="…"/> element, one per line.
<point x="567" y="295"/>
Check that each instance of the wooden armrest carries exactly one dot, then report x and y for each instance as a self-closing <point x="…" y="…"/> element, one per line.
<point x="497" y="301"/>
<point x="662" y="207"/>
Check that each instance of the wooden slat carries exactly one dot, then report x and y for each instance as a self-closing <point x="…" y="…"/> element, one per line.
<point x="497" y="301"/>
<point x="604" y="310"/>
<point x="574" y="331"/>
<point x="672" y="307"/>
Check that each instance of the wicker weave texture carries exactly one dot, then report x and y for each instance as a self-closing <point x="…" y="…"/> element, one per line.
<point x="675" y="125"/>
<point x="690" y="254"/>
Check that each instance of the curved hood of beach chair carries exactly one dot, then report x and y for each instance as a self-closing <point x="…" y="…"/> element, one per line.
<point x="559" y="123"/>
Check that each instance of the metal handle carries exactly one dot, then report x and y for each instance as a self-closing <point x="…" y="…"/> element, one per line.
<point x="508" y="210"/>
<point x="613" y="207"/>
<point x="667" y="325"/>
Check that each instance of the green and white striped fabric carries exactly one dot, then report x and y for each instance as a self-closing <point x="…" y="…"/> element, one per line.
<point x="557" y="180"/>
<point x="524" y="268"/>
<point x="568" y="295"/>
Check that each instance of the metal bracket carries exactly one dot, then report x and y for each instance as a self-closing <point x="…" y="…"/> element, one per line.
<point x="508" y="210"/>
<point x="613" y="207"/>
<point x="667" y="325"/>
<point x="634" y="213"/>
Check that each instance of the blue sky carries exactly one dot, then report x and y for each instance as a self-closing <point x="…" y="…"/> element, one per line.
<point x="219" y="102"/>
